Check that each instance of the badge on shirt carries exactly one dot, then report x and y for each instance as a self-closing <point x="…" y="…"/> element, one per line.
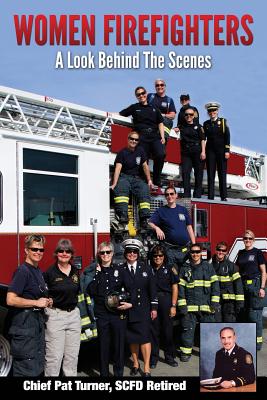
<point x="58" y="279"/>
<point x="235" y="360"/>
<point x="164" y="104"/>
<point x="116" y="273"/>
<point x="195" y="127"/>
<point x="75" y="278"/>
<point x="251" y="257"/>
<point x="138" y="160"/>
<point x="219" y="122"/>
<point x="181" y="217"/>
<point x="145" y="274"/>
<point x="165" y="271"/>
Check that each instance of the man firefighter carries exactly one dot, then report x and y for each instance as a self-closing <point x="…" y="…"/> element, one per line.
<point x="232" y="293"/>
<point x="198" y="297"/>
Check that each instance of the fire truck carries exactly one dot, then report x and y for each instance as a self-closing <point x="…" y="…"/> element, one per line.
<point x="55" y="167"/>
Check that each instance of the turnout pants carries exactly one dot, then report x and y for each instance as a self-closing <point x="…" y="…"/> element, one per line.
<point x="130" y="184"/>
<point x="188" y="323"/>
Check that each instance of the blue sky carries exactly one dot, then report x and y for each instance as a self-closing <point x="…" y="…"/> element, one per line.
<point x="237" y="79"/>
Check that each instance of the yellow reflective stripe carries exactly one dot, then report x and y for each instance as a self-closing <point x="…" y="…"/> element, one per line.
<point x="182" y="282"/>
<point x="192" y="308"/>
<point x="184" y="249"/>
<point x="182" y="302"/>
<point x="198" y="283"/>
<point x="236" y="276"/>
<point x="227" y="296"/>
<point x="121" y="199"/>
<point x="94" y="332"/>
<point x="240" y="297"/>
<point x="85" y="321"/>
<point x="186" y="350"/>
<point x="215" y="299"/>
<point x="213" y="278"/>
<point x="83" y="337"/>
<point x="88" y="300"/>
<point x="224" y="278"/>
<point x="249" y="282"/>
<point x="167" y="130"/>
<point x="80" y="298"/>
<point x="259" y="339"/>
<point x="143" y="205"/>
<point x="205" y="308"/>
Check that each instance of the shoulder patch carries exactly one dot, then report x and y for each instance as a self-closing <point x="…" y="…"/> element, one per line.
<point x="248" y="359"/>
<point x="174" y="270"/>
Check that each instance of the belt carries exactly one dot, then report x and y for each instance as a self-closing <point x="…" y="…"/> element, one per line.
<point x="62" y="309"/>
<point x="35" y="309"/>
<point x="148" y="130"/>
<point x="174" y="246"/>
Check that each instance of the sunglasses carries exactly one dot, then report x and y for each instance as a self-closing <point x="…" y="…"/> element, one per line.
<point x="211" y="111"/>
<point x="140" y="94"/>
<point x="158" y="255"/>
<point x="169" y="194"/>
<point x="247" y="238"/>
<point x="189" y="115"/>
<point x="36" y="249"/>
<point x="133" y="139"/>
<point x="134" y="251"/>
<point x="195" y="251"/>
<point x="61" y="251"/>
<point x="222" y="250"/>
<point x="160" y="85"/>
<point x="103" y="252"/>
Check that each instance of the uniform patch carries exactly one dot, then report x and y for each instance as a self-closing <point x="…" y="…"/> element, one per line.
<point x="235" y="360"/>
<point x="75" y="278"/>
<point x="181" y="217"/>
<point x="145" y="274"/>
<point x="58" y="279"/>
<point x="138" y="160"/>
<point x="251" y="257"/>
<point x="248" y="359"/>
<point x="174" y="270"/>
<point x="116" y="273"/>
<point x="165" y="271"/>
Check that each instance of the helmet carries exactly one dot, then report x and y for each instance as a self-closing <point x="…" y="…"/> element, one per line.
<point x="114" y="299"/>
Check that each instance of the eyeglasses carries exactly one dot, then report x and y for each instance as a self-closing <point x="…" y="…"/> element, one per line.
<point x="134" y="251"/>
<point x="160" y="85"/>
<point x="158" y="255"/>
<point x="61" y="251"/>
<point x="189" y="115"/>
<point x="133" y="139"/>
<point x="247" y="238"/>
<point x="195" y="251"/>
<point x="222" y="250"/>
<point x="140" y="94"/>
<point x="36" y="249"/>
<point x="105" y="252"/>
<point x="169" y="194"/>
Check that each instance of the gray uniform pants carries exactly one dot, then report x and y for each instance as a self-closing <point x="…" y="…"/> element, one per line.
<point x="62" y="339"/>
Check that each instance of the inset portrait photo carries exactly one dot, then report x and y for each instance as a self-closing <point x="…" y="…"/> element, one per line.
<point x="228" y="357"/>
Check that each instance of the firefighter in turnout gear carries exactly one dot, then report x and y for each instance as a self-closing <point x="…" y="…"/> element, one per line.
<point x="233" y="363"/>
<point x="217" y="149"/>
<point x="198" y="297"/>
<point x="130" y="169"/>
<point x="252" y="269"/>
<point x="232" y="293"/>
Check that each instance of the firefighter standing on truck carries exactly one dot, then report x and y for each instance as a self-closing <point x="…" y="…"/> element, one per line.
<point x="148" y="122"/>
<point x="231" y="288"/>
<point x="130" y="169"/>
<point x="217" y="149"/>
<point x="198" y="297"/>
<point x="252" y="269"/>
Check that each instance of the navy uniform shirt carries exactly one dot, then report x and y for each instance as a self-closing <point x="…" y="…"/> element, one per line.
<point x="165" y="277"/>
<point x="62" y="288"/>
<point x="249" y="261"/>
<point x="107" y="280"/>
<point x="173" y="222"/>
<point x="164" y="104"/>
<point x="142" y="289"/>
<point x="132" y="161"/>
<point x="238" y="366"/>
<point x="28" y="282"/>
<point x="191" y="137"/>
<point x="144" y="117"/>
<point x="218" y="135"/>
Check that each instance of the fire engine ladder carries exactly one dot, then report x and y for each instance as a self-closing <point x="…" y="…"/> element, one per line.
<point x="26" y="113"/>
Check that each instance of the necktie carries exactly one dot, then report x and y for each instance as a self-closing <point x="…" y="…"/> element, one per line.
<point x="227" y="354"/>
<point x="132" y="270"/>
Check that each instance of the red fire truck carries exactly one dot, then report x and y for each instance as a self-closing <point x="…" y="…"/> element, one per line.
<point x="55" y="165"/>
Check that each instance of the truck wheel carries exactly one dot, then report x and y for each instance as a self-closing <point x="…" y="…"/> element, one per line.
<point x="5" y="357"/>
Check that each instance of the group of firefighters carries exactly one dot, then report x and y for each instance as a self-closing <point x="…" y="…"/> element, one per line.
<point x="136" y="302"/>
